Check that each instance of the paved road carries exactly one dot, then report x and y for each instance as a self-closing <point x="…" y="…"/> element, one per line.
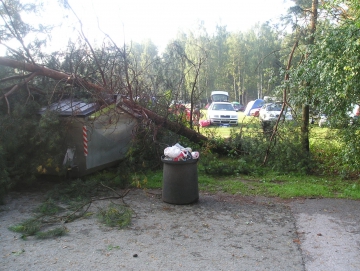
<point x="329" y="233"/>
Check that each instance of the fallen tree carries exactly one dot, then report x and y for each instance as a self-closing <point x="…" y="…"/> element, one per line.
<point x="38" y="70"/>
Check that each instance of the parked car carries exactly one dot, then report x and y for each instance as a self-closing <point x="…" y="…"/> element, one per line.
<point x="271" y="112"/>
<point x="253" y="107"/>
<point x="323" y="120"/>
<point x="222" y="113"/>
<point x="238" y="106"/>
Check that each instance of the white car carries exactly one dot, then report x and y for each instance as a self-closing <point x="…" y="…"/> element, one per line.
<point x="222" y="113"/>
<point x="271" y="112"/>
<point x="323" y="121"/>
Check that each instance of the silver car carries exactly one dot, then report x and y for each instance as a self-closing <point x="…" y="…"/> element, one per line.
<point x="271" y="112"/>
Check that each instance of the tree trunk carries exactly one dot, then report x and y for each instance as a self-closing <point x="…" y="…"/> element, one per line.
<point x="305" y="128"/>
<point x="306" y="108"/>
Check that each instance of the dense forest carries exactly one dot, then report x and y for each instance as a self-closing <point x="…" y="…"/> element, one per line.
<point x="309" y="60"/>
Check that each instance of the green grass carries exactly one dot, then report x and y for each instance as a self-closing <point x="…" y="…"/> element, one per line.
<point x="246" y="124"/>
<point x="271" y="185"/>
<point x="115" y="215"/>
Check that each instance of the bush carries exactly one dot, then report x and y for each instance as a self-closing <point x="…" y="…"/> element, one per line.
<point x="245" y="152"/>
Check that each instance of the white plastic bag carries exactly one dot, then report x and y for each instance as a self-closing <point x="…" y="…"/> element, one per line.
<point x="172" y="152"/>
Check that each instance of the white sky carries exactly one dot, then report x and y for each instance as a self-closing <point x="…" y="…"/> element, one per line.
<point x="159" y="20"/>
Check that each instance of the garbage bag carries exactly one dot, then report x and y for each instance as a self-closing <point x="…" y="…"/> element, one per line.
<point x="172" y="152"/>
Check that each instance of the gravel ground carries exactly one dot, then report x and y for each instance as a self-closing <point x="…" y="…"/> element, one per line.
<point x="219" y="232"/>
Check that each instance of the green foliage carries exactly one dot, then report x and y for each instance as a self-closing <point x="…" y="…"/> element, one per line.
<point x="333" y="88"/>
<point x="27" y="228"/>
<point x="35" y="227"/>
<point x="11" y="15"/>
<point x="29" y="144"/>
<point x="244" y="151"/>
<point x="143" y="152"/>
<point x="115" y="215"/>
<point x="286" y="153"/>
<point x="49" y="207"/>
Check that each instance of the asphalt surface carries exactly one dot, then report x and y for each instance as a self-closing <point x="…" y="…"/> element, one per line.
<point x="329" y="231"/>
<point x="219" y="232"/>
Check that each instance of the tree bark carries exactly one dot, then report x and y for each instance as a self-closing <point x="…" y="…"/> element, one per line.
<point x="306" y="108"/>
<point x="305" y="128"/>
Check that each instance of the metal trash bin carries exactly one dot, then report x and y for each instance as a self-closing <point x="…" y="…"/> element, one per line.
<point x="180" y="181"/>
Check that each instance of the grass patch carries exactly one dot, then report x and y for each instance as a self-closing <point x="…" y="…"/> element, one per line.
<point x="115" y="215"/>
<point x="298" y="189"/>
<point x="271" y="185"/>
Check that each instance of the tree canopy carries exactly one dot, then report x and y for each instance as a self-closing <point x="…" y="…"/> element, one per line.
<point x="323" y="70"/>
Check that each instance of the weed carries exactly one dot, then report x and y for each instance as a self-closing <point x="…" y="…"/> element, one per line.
<point x="28" y="227"/>
<point x="111" y="247"/>
<point x="115" y="215"/>
<point x="17" y="253"/>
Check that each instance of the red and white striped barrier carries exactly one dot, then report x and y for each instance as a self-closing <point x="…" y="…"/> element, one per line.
<point x="85" y="140"/>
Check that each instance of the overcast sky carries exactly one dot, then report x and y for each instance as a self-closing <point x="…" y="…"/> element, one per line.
<point x="161" y="20"/>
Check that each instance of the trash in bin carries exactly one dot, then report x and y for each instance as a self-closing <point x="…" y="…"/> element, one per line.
<point x="179" y="153"/>
<point x="180" y="178"/>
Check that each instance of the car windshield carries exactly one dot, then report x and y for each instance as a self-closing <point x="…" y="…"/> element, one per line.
<point x="224" y="107"/>
<point x="274" y="107"/>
